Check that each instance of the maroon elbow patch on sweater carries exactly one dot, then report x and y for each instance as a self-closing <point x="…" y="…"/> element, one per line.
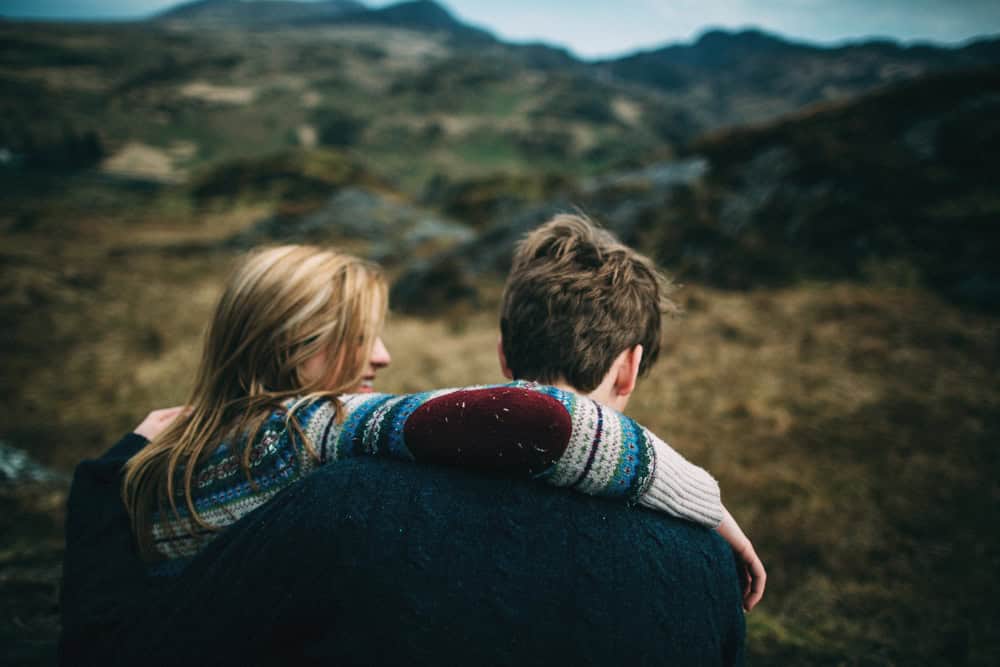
<point x="500" y="428"/>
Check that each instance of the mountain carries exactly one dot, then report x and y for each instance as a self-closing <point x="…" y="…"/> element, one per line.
<point x="721" y="79"/>
<point x="731" y="78"/>
<point x="194" y="88"/>
<point x="893" y="182"/>
<point x="257" y="13"/>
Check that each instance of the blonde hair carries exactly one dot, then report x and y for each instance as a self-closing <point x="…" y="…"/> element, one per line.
<point x="576" y="297"/>
<point x="281" y="307"/>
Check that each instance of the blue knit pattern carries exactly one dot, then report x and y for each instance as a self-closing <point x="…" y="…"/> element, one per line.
<point x="608" y="454"/>
<point x="350" y="440"/>
<point x="390" y="441"/>
<point x="633" y="467"/>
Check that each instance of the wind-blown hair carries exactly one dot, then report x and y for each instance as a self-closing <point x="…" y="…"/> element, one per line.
<point x="281" y="307"/>
<point x="575" y="298"/>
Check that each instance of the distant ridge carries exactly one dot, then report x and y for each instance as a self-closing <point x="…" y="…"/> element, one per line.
<point x="746" y="52"/>
<point x="422" y="15"/>
<point x="716" y="48"/>
<point x="752" y="60"/>
<point x="760" y="75"/>
<point x="257" y="12"/>
<point x="415" y="13"/>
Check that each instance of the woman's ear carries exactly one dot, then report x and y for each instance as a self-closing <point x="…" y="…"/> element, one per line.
<point x="503" y="359"/>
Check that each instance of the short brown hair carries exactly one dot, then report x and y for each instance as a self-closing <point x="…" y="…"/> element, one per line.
<point x="576" y="297"/>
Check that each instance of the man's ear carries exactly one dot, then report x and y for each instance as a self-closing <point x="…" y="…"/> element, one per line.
<point x="628" y="371"/>
<point x="504" y="368"/>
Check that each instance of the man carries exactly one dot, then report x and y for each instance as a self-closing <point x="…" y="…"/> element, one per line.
<point x="583" y="312"/>
<point x="378" y="562"/>
<point x="500" y="572"/>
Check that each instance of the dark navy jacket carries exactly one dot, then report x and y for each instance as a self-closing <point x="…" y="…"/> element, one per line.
<point x="380" y="562"/>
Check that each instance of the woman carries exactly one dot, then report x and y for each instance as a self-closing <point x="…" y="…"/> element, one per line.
<point x="275" y="347"/>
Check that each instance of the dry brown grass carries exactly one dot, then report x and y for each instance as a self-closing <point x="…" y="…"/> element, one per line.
<point x="852" y="428"/>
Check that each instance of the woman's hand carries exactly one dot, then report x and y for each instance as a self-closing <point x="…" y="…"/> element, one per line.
<point x="752" y="569"/>
<point x="157" y="420"/>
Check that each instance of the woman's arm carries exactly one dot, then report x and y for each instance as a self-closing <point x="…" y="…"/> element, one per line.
<point x="617" y="445"/>
<point x="752" y="573"/>
<point x="545" y="432"/>
<point x="561" y="437"/>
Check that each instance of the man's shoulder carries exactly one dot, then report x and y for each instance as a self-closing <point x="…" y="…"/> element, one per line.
<point x="504" y="558"/>
<point x="527" y="509"/>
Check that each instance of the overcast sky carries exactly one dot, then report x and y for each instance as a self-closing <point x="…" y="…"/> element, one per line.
<point x="594" y="28"/>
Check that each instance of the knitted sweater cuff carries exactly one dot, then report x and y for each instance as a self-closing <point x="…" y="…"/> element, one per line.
<point x="681" y="488"/>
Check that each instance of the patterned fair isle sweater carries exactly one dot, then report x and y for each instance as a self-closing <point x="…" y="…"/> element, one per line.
<point x="520" y="428"/>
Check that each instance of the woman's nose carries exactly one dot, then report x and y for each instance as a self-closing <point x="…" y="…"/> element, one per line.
<point x="380" y="354"/>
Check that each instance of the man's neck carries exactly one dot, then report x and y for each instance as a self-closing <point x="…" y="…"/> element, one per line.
<point x="565" y="386"/>
<point x="602" y="394"/>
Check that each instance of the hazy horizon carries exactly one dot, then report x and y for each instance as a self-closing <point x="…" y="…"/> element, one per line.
<point x="593" y="29"/>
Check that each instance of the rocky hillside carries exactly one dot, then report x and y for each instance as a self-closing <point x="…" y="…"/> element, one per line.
<point x="217" y="80"/>
<point x="898" y="187"/>
<point x="157" y="102"/>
